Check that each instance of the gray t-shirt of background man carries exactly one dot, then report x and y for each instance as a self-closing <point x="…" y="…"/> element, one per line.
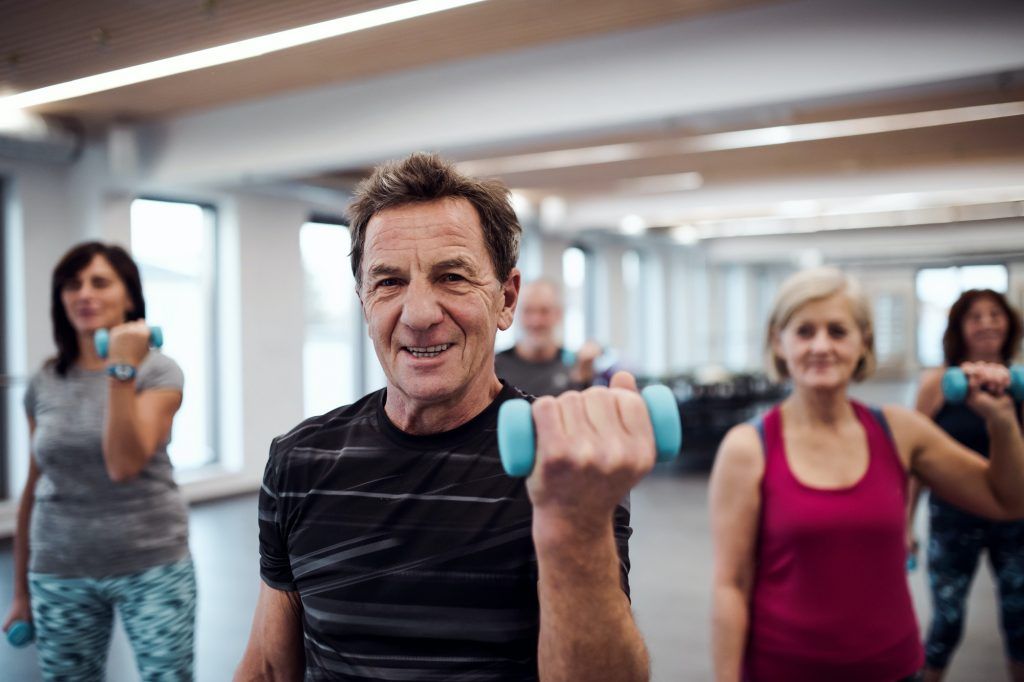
<point x="84" y="525"/>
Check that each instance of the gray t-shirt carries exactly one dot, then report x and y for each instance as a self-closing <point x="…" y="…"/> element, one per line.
<point x="84" y="524"/>
<point x="536" y="378"/>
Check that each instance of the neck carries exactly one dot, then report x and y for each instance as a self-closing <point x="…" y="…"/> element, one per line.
<point x="87" y="356"/>
<point x="424" y="418"/>
<point x="537" y="351"/>
<point x="818" y="405"/>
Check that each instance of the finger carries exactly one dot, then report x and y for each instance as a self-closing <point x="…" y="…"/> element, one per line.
<point x="625" y="380"/>
<point x="552" y="444"/>
<point x="632" y="413"/>
<point x="601" y="411"/>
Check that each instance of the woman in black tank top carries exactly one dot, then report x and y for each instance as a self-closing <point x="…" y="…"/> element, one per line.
<point x="982" y="327"/>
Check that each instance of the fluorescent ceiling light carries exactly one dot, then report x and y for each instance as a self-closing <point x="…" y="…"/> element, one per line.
<point x="632" y="224"/>
<point x="739" y="139"/>
<point x="232" y="52"/>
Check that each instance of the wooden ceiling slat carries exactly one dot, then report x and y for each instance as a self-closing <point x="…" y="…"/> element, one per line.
<point x="182" y="27"/>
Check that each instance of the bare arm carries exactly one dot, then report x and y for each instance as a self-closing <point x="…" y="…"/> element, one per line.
<point x="735" y="499"/>
<point x="275" y="649"/>
<point x="21" y="607"/>
<point x="592" y="448"/>
<point x="992" y="488"/>
<point x="136" y="423"/>
<point x="929" y="401"/>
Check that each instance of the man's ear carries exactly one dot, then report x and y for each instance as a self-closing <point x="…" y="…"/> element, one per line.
<point x="509" y="299"/>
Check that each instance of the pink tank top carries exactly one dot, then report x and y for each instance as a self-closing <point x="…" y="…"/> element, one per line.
<point x="830" y="598"/>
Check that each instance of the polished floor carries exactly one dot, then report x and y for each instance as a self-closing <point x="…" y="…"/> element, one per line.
<point x="670" y="582"/>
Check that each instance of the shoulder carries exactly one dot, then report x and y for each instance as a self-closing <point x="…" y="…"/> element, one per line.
<point x="931" y="381"/>
<point x="741" y="451"/>
<point x="329" y="428"/>
<point x="909" y="428"/>
<point x="506" y="357"/>
<point x="160" y="371"/>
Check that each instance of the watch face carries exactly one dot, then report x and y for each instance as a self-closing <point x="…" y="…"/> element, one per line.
<point x="121" y="372"/>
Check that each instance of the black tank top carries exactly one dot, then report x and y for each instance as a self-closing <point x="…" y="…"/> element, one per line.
<point x="967" y="426"/>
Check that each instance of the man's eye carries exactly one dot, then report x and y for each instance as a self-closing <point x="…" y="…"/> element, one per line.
<point x="453" y="277"/>
<point x="388" y="282"/>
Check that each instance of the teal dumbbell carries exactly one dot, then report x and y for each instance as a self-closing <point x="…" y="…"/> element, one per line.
<point x="516" y="442"/>
<point x="21" y="633"/>
<point x="102" y="340"/>
<point x="955" y="384"/>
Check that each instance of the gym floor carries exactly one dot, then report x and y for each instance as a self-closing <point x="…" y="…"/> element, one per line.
<point x="671" y="578"/>
<point x="671" y="553"/>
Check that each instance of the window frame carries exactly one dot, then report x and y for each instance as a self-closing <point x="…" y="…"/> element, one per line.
<point x="211" y="294"/>
<point x="918" y="308"/>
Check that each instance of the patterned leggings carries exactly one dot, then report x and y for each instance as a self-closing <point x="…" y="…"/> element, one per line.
<point x="954" y="550"/>
<point x="73" y="618"/>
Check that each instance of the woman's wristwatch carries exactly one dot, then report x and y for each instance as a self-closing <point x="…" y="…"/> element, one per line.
<point x="122" y="371"/>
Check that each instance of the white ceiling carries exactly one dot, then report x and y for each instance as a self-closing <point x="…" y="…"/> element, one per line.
<point x="631" y="101"/>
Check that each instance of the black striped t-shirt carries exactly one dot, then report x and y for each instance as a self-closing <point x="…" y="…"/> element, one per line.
<point x="412" y="555"/>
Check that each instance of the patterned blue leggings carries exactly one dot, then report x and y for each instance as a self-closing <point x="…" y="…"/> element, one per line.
<point x="956" y="542"/>
<point x="73" y="618"/>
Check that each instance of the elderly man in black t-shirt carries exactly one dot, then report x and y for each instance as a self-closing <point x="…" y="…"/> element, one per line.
<point x="392" y="545"/>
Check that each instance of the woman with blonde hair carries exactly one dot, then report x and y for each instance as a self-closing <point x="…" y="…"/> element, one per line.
<point x="808" y="503"/>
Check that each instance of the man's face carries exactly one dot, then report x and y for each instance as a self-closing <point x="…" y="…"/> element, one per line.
<point x="433" y="302"/>
<point x="540" y="313"/>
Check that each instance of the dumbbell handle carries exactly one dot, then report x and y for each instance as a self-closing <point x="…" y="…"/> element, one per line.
<point x="102" y="340"/>
<point x="516" y="440"/>
<point x="21" y="633"/>
<point x="955" y="384"/>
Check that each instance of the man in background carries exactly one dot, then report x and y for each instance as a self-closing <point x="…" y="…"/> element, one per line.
<point x="538" y="364"/>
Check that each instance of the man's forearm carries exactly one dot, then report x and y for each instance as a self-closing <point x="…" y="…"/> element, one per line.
<point x="587" y="631"/>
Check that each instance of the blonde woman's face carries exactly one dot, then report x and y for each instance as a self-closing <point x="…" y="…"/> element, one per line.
<point x="821" y="344"/>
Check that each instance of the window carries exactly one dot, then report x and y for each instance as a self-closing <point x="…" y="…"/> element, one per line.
<point x="330" y="353"/>
<point x="634" y="319"/>
<point x="174" y="246"/>
<point x="574" y="279"/>
<point x="937" y="290"/>
<point x="889" y="314"/>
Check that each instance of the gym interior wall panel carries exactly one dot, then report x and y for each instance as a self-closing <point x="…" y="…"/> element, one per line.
<point x="272" y="317"/>
<point x="679" y="311"/>
<point x="654" y="300"/>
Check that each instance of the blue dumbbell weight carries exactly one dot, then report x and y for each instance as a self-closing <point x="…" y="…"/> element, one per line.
<point x="516" y="442"/>
<point x="955" y="384"/>
<point x="102" y="340"/>
<point x="21" y="633"/>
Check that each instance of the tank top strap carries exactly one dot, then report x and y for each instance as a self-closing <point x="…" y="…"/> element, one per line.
<point x="881" y="443"/>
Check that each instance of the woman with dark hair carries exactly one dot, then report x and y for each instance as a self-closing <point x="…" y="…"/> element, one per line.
<point x="983" y="328"/>
<point x="101" y="523"/>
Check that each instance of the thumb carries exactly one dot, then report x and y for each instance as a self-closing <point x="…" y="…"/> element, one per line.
<point x="624" y="380"/>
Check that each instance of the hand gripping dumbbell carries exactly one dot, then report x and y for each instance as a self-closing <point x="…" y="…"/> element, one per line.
<point x="517" y="447"/>
<point x="102" y="340"/>
<point x="955" y="384"/>
<point x="21" y="633"/>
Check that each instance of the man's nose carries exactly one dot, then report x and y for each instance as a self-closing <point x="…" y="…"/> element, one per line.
<point x="421" y="308"/>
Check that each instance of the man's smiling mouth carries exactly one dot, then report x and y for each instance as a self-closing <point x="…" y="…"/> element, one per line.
<point x="427" y="351"/>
